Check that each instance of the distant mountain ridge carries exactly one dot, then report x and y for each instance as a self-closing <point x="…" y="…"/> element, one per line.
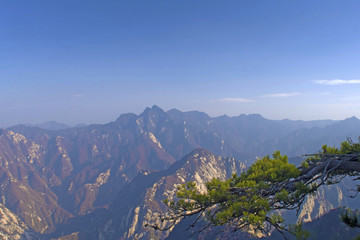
<point x="49" y="125"/>
<point x="52" y="125"/>
<point x="74" y="171"/>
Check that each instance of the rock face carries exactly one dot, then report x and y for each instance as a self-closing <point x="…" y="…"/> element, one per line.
<point x="328" y="198"/>
<point x="50" y="178"/>
<point x="12" y="228"/>
<point x="25" y="186"/>
<point x="139" y="203"/>
<point x="199" y="166"/>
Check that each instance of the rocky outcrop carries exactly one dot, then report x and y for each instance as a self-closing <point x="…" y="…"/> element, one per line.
<point x="12" y="228"/>
<point x="25" y="184"/>
<point x="139" y="203"/>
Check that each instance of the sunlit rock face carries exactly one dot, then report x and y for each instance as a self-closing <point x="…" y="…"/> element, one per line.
<point x="26" y="185"/>
<point x="12" y="228"/>
<point x="140" y="203"/>
<point x="328" y="198"/>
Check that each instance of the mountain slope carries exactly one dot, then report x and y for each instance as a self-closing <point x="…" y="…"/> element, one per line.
<point x="11" y="227"/>
<point x="75" y="171"/>
<point x="24" y="184"/>
<point x="139" y="202"/>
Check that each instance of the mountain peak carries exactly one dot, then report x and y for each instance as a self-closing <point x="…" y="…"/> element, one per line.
<point x="153" y="109"/>
<point x="200" y="151"/>
<point x="352" y="119"/>
<point x="156" y="108"/>
<point x="252" y="116"/>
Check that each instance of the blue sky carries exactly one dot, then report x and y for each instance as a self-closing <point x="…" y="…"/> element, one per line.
<point x="89" y="61"/>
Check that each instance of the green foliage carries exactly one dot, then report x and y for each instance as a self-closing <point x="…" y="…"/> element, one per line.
<point x="272" y="170"/>
<point x="276" y="219"/>
<point x="330" y="150"/>
<point x="283" y="195"/>
<point x="248" y="207"/>
<point x="305" y="164"/>
<point x="346" y="147"/>
<point x="253" y="198"/>
<point x="302" y="188"/>
<point x="350" y="218"/>
<point x="298" y="231"/>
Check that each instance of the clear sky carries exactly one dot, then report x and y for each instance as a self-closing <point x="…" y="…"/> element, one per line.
<point x="89" y="61"/>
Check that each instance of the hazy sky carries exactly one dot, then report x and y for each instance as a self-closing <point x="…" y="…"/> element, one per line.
<point x="89" y="61"/>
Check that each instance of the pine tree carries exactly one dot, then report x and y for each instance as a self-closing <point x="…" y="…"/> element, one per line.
<point x="251" y="200"/>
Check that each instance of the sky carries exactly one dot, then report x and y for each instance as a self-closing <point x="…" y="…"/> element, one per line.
<point x="90" y="61"/>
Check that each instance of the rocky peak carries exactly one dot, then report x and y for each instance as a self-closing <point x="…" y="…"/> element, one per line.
<point x="151" y="119"/>
<point x="153" y="110"/>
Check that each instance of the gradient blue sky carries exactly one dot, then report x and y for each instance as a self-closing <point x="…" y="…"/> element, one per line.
<point x="89" y="61"/>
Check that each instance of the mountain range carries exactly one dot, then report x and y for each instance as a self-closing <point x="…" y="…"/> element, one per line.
<point x="107" y="181"/>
